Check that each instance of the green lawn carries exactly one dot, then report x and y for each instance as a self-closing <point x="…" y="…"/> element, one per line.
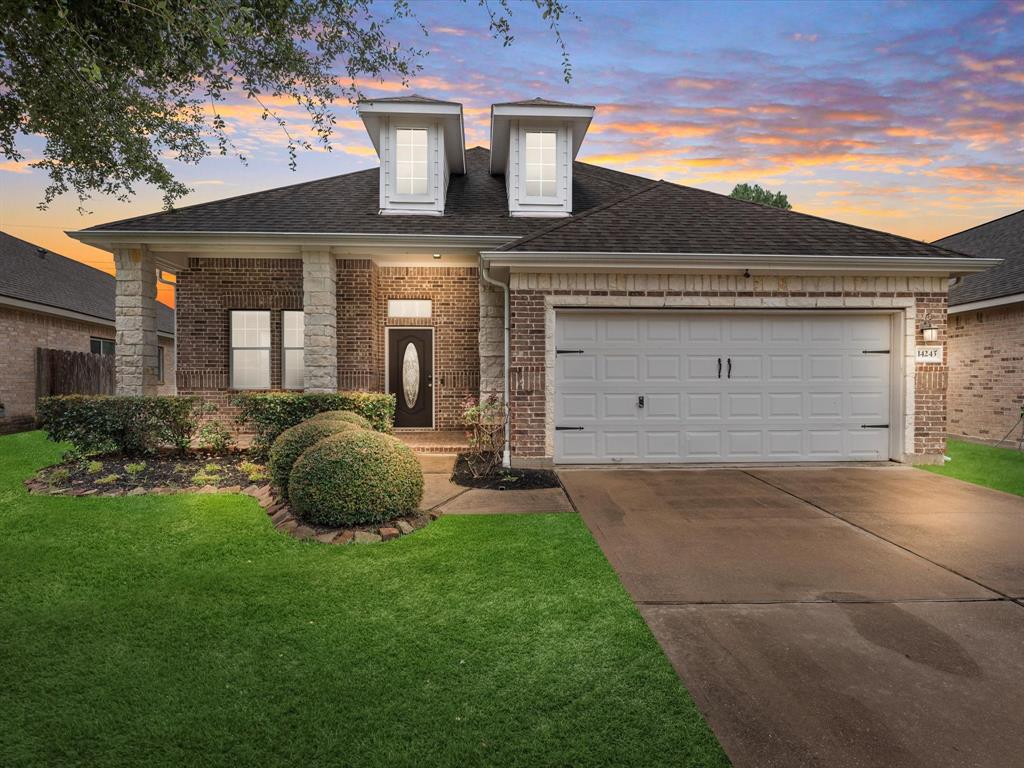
<point x="184" y="631"/>
<point x="999" y="468"/>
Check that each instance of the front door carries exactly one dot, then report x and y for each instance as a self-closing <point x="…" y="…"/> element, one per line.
<point x="411" y="375"/>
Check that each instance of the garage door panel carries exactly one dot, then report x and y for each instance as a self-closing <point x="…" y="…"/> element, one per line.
<point x="576" y="368"/>
<point x="801" y="387"/>
<point x="663" y="405"/>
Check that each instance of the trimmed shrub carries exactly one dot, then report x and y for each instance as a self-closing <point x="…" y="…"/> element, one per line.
<point x="290" y="444"/>
<point x="268" y="414"/>
<point x="129" y="425"/>
<point x="355" y="478"/>
<point x="350" y="416"/>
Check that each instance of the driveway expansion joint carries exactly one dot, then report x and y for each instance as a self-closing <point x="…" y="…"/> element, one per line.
<point x="878" y="536"/>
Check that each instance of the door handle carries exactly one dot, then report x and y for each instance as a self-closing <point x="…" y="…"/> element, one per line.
<point x="640" y="401"/>
<point x="719" y="367"/>
<point x="729" y="375"/>
<point x="430" y="381"/>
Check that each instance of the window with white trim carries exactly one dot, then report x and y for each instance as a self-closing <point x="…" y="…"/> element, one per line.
<point x="250" y="349"/>
<point x="411" y="161"/>
<point x="541" y="178"/>
<point x="293" y="343"/>
<point x="101" y="346"/>
<point x="410" y="307"/>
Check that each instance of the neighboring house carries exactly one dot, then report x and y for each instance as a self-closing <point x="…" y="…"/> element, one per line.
<point x="986" y="332"/>
<point x="49" y="301"/>
<point x="647" y="321"/>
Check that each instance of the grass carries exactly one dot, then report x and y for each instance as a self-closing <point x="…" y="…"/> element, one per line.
<point x="184" y="631"/>
<point x="999" y="468"/>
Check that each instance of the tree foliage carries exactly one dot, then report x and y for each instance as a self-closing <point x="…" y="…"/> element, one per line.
<point x="755" y="193"/>
<point x="118" y="87"/>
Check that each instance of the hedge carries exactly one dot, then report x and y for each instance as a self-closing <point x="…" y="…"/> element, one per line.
<point x="129" y="425"/>
<point x="268" y="414"/>
<point x="355" y="478"/>
<point x="290" y="444"/>
<point x="350" y="416"/>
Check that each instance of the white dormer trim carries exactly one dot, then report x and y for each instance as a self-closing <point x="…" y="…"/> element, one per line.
<point x="391" y="200"/>
<point x="520" y="202"/>
<point x="510" y="124"/>
<point x="445" y="150"/>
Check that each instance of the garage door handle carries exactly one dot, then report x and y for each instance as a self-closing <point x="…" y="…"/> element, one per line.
<point x="874" y="426"/>
<point x="719" y="367"/>
<point x="640" y="401"/>
<point x="568" y="429"/>
<point x="730" y="368"/>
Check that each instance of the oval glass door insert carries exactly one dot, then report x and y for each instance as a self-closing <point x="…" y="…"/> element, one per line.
<point x="410" y="375"/>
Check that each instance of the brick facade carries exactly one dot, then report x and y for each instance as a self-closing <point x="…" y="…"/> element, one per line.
<point x="28" y="330"/>
<point x="209" y="288"/>
<point x="535" y="296"/>
<point x="454" y="292"/>
<point x="986" y="371"/>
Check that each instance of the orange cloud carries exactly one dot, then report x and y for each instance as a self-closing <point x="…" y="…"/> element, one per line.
<point x="15" y="166"/>
<point x="697" y="83"/>
<point x="853" y="116"/>
<point x="908" y="132"/>
<point x="983" y="65"/>
<point x="660" y="130"/>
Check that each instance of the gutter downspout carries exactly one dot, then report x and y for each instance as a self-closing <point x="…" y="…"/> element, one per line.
<point x="506" y="456"/>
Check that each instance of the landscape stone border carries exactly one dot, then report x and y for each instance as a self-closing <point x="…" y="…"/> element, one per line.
<point x="277" y="509"/>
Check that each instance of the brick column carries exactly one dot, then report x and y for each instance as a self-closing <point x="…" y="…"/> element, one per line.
<point x="320" y="309"/>
<point x="135" y="322"/>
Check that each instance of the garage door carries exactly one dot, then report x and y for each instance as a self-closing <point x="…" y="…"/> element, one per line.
<point x="674" y="387"/>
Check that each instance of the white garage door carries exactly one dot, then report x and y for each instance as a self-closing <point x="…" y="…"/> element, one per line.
<point x="674" y="387"/>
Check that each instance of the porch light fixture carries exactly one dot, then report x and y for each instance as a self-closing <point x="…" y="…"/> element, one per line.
<point x="437" y="255"/>
<point x="928" y="330"/>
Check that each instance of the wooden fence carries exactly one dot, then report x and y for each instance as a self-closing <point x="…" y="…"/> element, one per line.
<point x="61" y="372"/>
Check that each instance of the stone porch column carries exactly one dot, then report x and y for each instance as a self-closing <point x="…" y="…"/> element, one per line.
<point x="320" y="311"/>
<point x="135" y="343"/>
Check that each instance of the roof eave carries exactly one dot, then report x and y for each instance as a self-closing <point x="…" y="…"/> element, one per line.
<point x="761" y="262"/>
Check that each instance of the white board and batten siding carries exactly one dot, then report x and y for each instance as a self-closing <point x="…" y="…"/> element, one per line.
<point x="721" y="387"/>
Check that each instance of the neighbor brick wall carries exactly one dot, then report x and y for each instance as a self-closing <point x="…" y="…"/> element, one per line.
<point x="456" y="322"/>
<point x="533" y="293"/>
<point x="25" y="331"/>
<point x="986" y="371"/>
<point x="206" y="291"/>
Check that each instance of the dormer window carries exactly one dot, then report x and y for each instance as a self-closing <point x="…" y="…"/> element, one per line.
<point x="411" y="167"/>
<point x="533" y="144"/>
<point x="420" y="144"/>
<point x="541" y="168"/>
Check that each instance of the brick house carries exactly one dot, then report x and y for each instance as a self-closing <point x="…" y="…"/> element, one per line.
<point x="624" y="320"/>
<point x="49" y="301"/>
<point x="986" y="332"/>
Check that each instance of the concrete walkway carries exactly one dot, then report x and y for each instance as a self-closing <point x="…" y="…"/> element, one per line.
<point x="442" y="495"/>
<point x="828" y="617"/>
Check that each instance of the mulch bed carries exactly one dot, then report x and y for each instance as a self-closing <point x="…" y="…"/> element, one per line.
<point x="120" y="475"/>
<point x="502" y="479"/>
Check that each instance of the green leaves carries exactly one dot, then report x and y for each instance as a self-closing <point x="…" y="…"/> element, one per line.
<point x="118" y="87"/>
<point x="755" y="193"/>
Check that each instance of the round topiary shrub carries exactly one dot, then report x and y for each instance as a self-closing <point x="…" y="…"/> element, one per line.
<point x="350" y="416"/>
<point x="355" y="478"/>
<point x="290" y="444"/>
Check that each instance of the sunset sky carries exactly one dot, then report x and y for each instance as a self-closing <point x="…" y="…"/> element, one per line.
<point x="901" y="116"/>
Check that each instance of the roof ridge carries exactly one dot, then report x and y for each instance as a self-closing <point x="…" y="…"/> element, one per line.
<point x="234" y="198"/>
<point x="976" y="226"/>
<point x="791" y="212"/>
<point x="572" y="219"/>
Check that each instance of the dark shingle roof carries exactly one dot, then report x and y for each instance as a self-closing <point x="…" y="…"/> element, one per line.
<point x="669" y="218"/>
<point x="539" y="102"/>
<point x="475" y="205"/>
<point x="412" y="98"/>
<point x="31" y="273"/>
<point x="999" y="239"/>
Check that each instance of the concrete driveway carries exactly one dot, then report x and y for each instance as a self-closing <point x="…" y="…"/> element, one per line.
<point x="828" y="617"/>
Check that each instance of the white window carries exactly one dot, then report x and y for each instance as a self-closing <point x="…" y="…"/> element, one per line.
<point x="100" y="346"/>
<point x="540" y="164"/>
<point x="293" y="345"/>
<point x="411" y="161"/>
<point x="409" y="307"/>
<point x="250" y="349"/>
